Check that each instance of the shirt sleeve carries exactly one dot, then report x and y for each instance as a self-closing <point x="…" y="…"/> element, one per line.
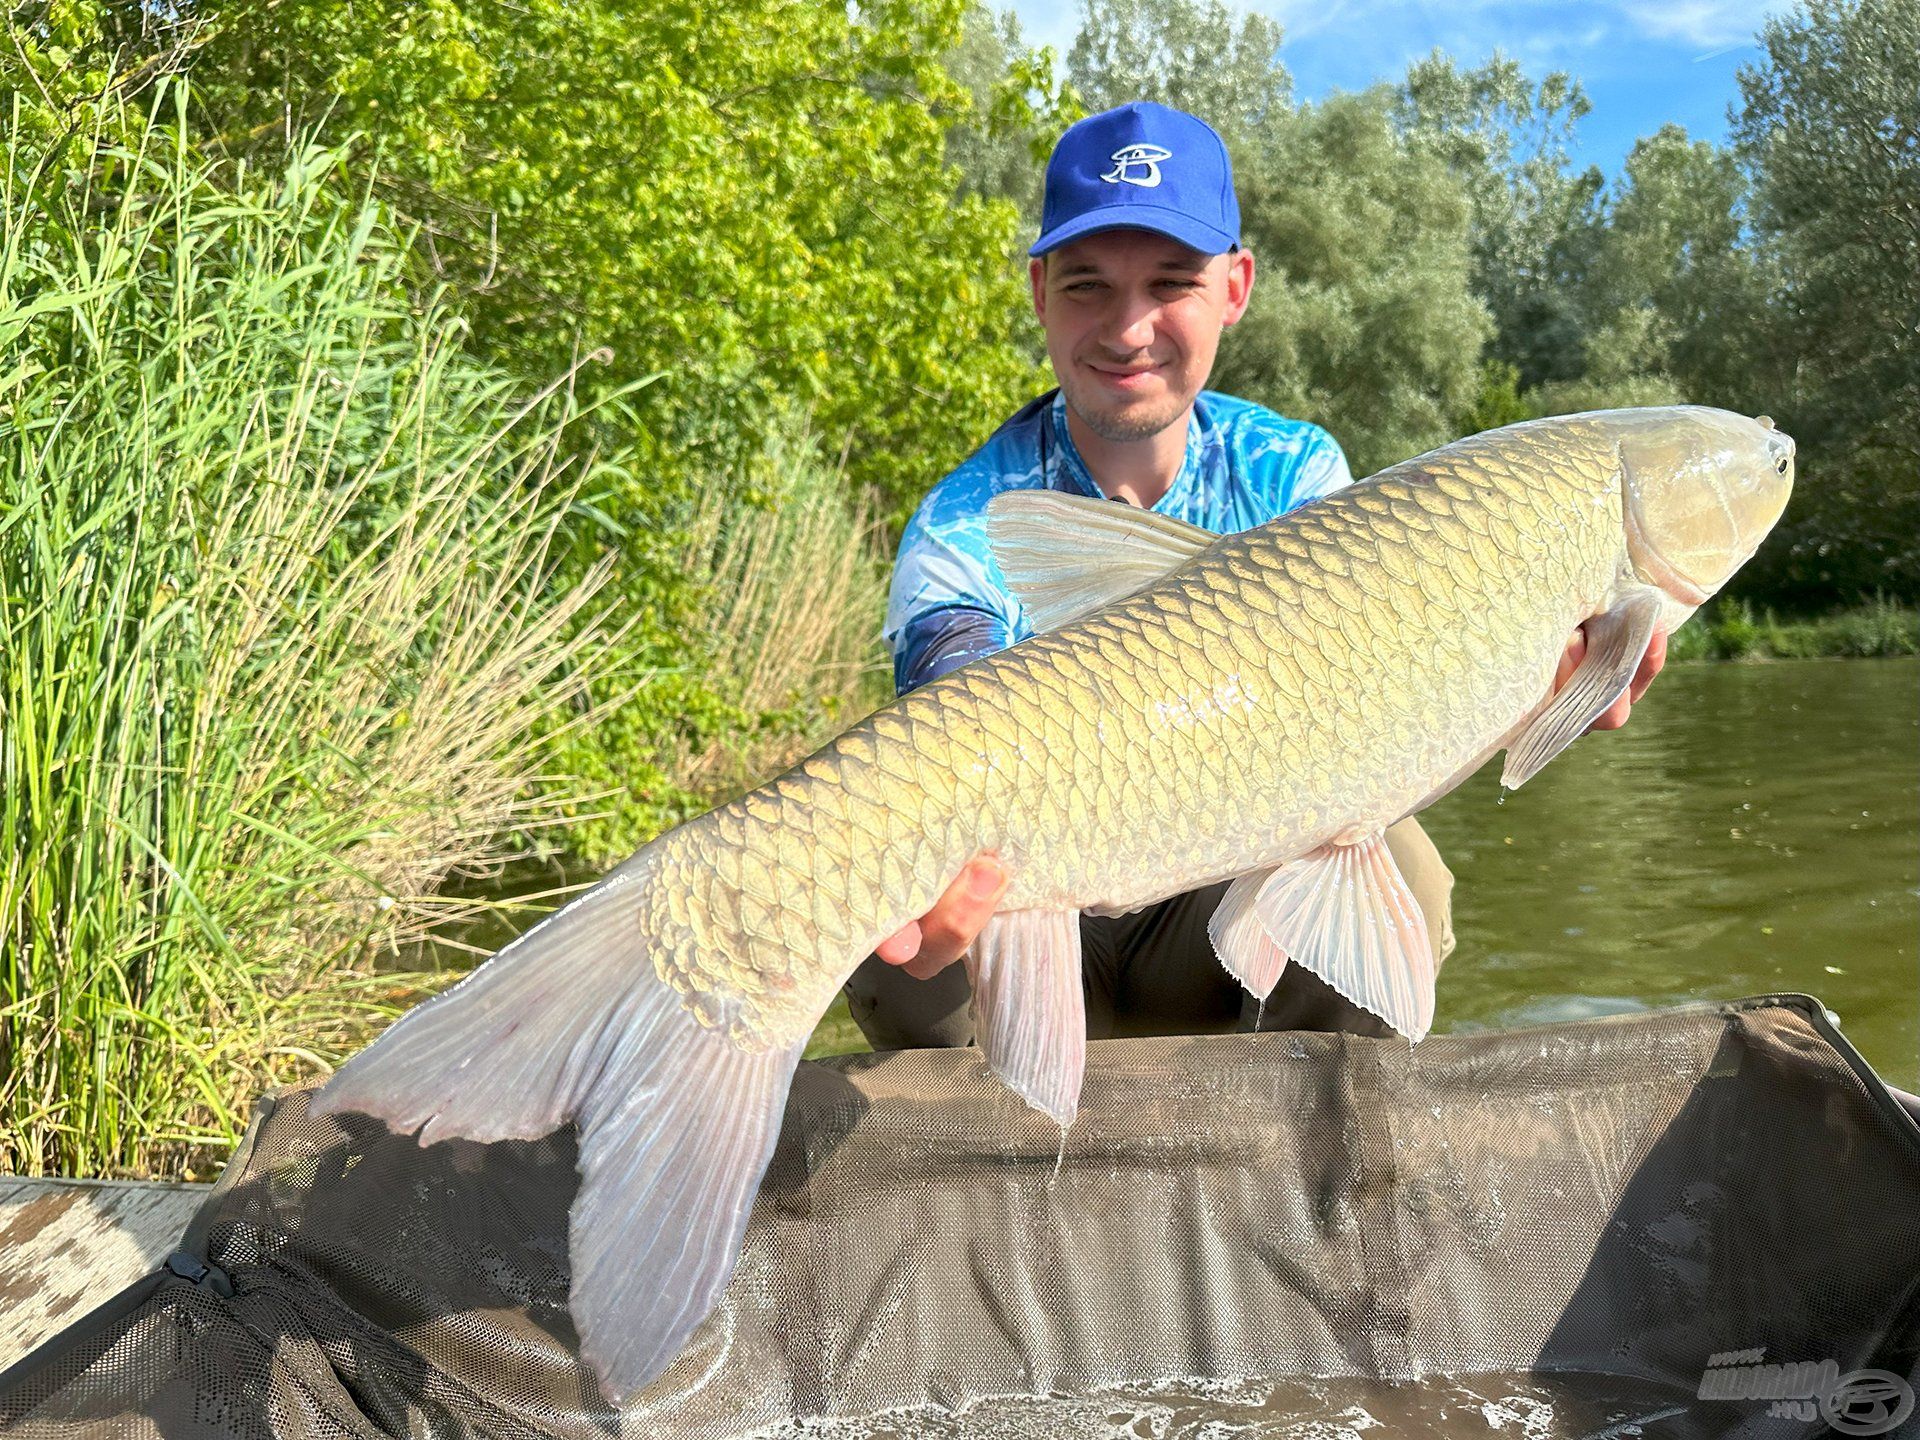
<point x="936" y="641"/>
<point x="946" y="605"/>
<point x="1323" y="468"/>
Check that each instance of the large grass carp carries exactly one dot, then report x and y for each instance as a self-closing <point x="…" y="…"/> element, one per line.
<point x="1258" y="706"/>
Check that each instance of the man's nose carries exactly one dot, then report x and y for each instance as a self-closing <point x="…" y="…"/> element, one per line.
<point x="1132" y="324"/>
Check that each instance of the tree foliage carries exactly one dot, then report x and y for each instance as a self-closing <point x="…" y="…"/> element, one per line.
<point x="1362" y="317"/>
<point x="747" y="197"/>
<point x="1830" y="129"/>
<point x="1673" y="274"/>
<point x="1016" y="109"/>
<point x="1197" y="55"/>
<point x="1508" y="142"/>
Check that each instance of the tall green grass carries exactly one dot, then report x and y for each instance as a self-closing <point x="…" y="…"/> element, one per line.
<point x="280" y="642"/>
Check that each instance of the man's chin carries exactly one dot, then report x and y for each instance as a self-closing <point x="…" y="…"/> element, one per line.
<point x="1123" y="424"/>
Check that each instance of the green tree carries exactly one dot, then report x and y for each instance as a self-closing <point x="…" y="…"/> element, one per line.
<point x="1508" y="143"/>
<point x="1830" y="126"/>
<point x="1675" y="287"/>
<point x="1016" y="110"/>
<point x="1363" y="319"/>
<point x="1196" y="55"/>
<point x="748" y="197"/>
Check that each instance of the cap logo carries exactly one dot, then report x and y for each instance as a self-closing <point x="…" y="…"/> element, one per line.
<point x="1137" y="165"/>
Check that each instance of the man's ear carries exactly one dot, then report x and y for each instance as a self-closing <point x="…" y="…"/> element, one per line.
<point x="1239" y="285"/>
<point x="1037" y="277"/>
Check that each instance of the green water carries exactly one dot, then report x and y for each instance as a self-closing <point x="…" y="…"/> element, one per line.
<point x="1754" y="828"/>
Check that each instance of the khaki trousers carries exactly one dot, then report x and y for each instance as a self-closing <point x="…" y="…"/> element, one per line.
<point x="1154" y="973"/>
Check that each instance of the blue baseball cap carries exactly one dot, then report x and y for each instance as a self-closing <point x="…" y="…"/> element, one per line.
<point x="1141" y="167"/>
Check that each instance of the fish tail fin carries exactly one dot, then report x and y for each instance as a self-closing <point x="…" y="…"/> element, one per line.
<point x="571" y="1022"/>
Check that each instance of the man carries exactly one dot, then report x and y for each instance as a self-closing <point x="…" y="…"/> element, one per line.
<point x="1137" y="272"/>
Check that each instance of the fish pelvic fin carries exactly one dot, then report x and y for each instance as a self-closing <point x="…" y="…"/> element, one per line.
<point x="676" y="1121"/>
<point x="1029" y="1009"/>
<point x="1245" y="948"/>
<point x="1346" y="913"/>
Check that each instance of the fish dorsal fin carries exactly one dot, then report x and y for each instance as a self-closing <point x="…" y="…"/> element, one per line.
<point x="1617" y="639"/>
<point x="1345" y="913"/>
<point x="1029" y="1010"/>
<point x="1065" y="555"/>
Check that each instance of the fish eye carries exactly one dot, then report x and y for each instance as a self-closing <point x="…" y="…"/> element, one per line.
<point x="1780" y="465"/>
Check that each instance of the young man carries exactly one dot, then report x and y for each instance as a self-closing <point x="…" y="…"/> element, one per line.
<point x="1137" y="272"/>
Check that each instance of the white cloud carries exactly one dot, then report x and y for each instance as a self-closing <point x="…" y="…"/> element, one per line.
<point x="1703" y="24"/>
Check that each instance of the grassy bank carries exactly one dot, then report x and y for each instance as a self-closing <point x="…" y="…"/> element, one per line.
<point x="280" y="635"/>
<point x="312" y="623"/>
<point x="1736" y="630"/>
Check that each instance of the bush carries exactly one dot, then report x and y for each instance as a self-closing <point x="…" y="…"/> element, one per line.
<point x="778" y="640"/>
<point x="281" y="648"/>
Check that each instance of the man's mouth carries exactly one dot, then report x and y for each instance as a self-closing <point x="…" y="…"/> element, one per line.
<point x="1125" y="377"/>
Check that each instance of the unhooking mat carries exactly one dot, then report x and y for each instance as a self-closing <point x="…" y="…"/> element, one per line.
<point x="1282" y="1234"/>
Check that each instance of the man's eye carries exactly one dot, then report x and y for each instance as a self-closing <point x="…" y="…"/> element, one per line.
<point x="1179" y="284"/>
<point x="1082" y="287"/>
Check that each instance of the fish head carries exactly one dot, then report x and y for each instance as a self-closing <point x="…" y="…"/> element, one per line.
<point x="1702" y="488"/>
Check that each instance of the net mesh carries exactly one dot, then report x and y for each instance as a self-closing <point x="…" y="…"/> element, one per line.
<point x="1623" y="1198"/>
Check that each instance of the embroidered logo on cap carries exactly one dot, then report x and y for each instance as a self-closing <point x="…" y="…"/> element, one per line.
<point x="1137" y="165"/>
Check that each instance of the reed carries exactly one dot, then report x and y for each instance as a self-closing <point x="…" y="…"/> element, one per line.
<point x="281" y="645"/>
<point x="794" y="580"/>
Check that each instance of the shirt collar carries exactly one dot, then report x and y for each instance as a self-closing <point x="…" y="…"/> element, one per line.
<point x="1076" y="477"/>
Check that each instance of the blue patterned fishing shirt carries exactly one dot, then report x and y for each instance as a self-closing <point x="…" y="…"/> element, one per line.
<point x="950" y="604"/>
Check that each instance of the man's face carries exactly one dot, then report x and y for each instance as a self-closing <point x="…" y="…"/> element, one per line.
<point x="1133" y="320"/>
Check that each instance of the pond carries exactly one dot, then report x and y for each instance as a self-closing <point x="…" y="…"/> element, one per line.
<point x="1755" y="828"/>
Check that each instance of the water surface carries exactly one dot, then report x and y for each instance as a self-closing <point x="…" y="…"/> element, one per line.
<point x="1754" y="828"/>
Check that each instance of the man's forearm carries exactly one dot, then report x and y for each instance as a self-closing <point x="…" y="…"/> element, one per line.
<point x="944" y="640"/>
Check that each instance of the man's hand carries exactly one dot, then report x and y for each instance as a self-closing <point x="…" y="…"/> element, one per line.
<point x="938" y="938"/>
<point x="1616" y="714"/>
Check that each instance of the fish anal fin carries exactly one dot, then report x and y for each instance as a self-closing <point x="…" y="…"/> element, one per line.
<point x="1240" y="939"/>
<point x="1345" y="912"/>
<point x="1030" y="1013"/>
<point x="1617" y="639"/>
<point x="1066" y="555"/>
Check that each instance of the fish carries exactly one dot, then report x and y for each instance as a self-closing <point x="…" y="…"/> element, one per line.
<point x="1192" y="708"/>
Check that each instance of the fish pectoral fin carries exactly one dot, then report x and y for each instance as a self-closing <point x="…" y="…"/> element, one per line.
<point x="1241" y="940"/>
<point x="1617" y="639"/>
<point x="1066" y="555"/>
<point x="1345" y="913"/>
<point x="1030" y="1013"/>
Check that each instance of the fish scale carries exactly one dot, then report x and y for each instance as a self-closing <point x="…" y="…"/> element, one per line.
<point x="1311" y="619"/>
<point x="1258" y="707"/>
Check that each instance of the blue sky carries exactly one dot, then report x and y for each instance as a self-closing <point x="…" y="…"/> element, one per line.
<point x="1643" y="62"/>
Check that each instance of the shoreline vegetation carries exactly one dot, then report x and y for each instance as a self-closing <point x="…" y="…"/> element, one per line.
<point x="1737" y="630"/>
<point x="398" y="499"/>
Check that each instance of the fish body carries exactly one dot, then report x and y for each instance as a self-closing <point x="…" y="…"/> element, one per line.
<point x="1256" y="707"/>
<point x="1323" y="673"/>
